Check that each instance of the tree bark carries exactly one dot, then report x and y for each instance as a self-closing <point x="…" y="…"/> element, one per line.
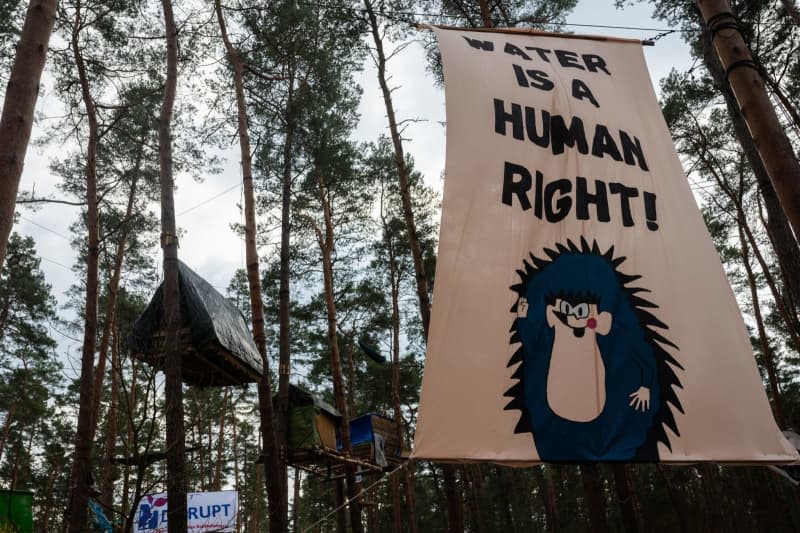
<point x="298" y="479"/>
<point x="275" y="478"/>
<point x="486" y="15"/>
<point x="776" y="151"/>
<point x="549" y="496"/>
<point x="220" y="439"/>
<point x="595" y="502"/>
<point x="112" y="418"/>
<point x="16" y="120"/>
<point x="173" y="387"/>
<point x="625" y="498"/>
<point x="81" y="471"/>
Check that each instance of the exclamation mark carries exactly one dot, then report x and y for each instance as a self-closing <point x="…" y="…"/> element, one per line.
<point x="650" y="210"/>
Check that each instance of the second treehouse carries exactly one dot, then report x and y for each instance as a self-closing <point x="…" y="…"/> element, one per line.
<point x="217" y="349"/>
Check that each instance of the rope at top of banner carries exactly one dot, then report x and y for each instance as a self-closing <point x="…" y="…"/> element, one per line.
<point x="356" y="497"/>
<point x="535" y="32"/>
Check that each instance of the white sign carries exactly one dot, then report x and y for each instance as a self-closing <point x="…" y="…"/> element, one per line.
<point x="207" y="511"/>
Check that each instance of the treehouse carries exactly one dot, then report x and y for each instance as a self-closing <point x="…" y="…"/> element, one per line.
<point x="374" y="438"/>
<point x="216" y="345"/>
<point x="314" y="438"/>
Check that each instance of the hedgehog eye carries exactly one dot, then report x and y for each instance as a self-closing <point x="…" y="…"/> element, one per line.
<point x="565" y="308"/>
<point x="581" y="311"/>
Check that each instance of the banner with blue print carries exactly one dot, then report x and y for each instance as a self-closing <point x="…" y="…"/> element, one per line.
<point x="207" y="511"/>
<point x="580" y="312"/>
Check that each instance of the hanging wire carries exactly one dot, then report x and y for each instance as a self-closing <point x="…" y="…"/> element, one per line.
<point x="357" y="496"/>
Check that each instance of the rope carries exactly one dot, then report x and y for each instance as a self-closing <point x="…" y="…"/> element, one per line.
<point x="348" y="500"/>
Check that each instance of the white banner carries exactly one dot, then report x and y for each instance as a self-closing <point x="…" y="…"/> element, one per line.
<point x="580" y="311"/>
<point x="207" y="511"/>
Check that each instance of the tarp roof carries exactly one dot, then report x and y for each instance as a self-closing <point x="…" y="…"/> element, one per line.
<point x="216" y="326"/>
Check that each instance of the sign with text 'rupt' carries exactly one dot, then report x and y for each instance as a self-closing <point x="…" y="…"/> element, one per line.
<point x="580" y="312"/>
<point x="207" y="511"/>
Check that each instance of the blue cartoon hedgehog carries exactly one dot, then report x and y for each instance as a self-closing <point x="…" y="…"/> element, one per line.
<point x="595" y="380"/>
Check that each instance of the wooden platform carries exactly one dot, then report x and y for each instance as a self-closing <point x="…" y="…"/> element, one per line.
<point x="208" y="365"/>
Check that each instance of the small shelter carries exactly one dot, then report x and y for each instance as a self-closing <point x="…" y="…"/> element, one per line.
<point x="374" y="438"/>
<point x="314" y="438"/>
<point x="217" y="347"/>
<point x="313" y="424"/>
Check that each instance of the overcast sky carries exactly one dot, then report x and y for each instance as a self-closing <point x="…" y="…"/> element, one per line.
<point x="210" y="247"/>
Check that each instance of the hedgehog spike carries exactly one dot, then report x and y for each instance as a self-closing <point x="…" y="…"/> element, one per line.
<point x="517" y="287"/>
<point x="585" y="245"/>
<point x="571" y="245"/>
<point x="517" y="373"/>
<point x="677" y="403"/>
<point x="516" y="358"/>
<point x="595" y="248"/>
<point x="661" y="435"/>
<point x="524" y="425"/>
<point x="641" y="302"/>
<point x="514" y="391"/>
<point x="529" y="269"/>
<point x="618" y="261"/>
<point x="515" y="338"/>
<point x="628" y="278"/>
<point x="609" y="253"/>
<point x="561" y="248"/>
<point x="651" y="320"/>
<point x="514" y="404"/>
<point x="552" y="254"/>
<point x="636" y="290"/>
<point x="540" y="263"/>
<point x="656" y="336"/>
<point x="669" y="419"/>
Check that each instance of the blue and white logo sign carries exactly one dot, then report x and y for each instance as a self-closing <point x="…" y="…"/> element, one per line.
<point x="207" y="511"/>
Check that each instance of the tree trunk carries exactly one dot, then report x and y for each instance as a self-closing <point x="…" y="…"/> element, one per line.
<point x="7" y="427"/>
<point x="16" y="120"/>
<point x="593" y="494"/>
<point x="548" y="491"/>
<point x="112" y="417"/>
<point x="486" y="16"/>
<point x="284" y="300"/>
<point x="504" y="499"/>
<point x="173" y="387"/>
<point x="326" y="248"/>
<point x="220" y="439"/>
<point x="766" y="351"/>
<point x="113" y="290"/>
<point x="276" y="471"/>
<point x="625" y="498"/>
<point x="674" y="500"/>
<point x="81" y="471"/>
<point x="776" y="151"/>
<point x="341" y="514"/>
<point x="394" y="282"/>
<point x="784" y="242"/>
<point x="298" y="479"/>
